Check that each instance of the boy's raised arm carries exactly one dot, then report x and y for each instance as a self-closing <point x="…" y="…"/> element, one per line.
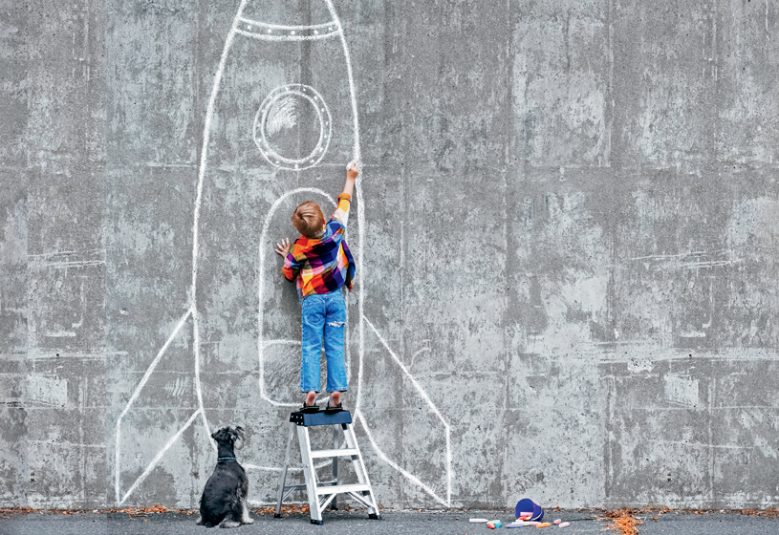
<point x="345" y="198"/>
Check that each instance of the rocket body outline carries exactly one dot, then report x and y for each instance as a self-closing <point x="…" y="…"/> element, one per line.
<point x="249" y="28"/>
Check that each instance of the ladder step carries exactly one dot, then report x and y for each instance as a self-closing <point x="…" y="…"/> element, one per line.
<point x="339" y="489"/>
<point x="310" y="419"/>
<point x="327" y="454"/>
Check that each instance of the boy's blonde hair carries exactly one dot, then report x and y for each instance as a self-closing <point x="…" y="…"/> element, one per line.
<point x="308" y="219"/>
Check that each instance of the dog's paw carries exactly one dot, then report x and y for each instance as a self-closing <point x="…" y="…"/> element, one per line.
<point x="229" y="524"/>
<point x="247" y="520"/>
<point x="199" y="521"/>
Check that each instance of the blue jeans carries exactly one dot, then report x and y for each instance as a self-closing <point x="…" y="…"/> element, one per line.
<point x="324" y="323"/>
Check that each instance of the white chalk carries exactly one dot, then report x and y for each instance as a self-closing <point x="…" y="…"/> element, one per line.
<point x="478" y="520"/>
<point x="522" y="524"/>
<point x="563" y="524"/>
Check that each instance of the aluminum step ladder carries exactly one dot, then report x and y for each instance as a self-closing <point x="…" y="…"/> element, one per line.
<point x="324" y="493"/>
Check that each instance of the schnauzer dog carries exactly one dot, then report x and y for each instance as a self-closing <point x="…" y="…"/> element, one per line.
<point x="224" y="496"/>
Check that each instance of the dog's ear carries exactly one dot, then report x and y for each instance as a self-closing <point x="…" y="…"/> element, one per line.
<point x="239" y="428"/>
<point x="213" y="435"/>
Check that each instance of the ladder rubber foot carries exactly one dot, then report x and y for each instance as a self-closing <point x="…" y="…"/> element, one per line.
<point x="374" y="516"/>
<point x="276" y="515"/>
<point x="317" y="522"/>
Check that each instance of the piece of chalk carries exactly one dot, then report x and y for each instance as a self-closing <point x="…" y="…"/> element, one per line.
<point x="543" y="524"/>
<point x="563" y="524"/>
<point x="478" y="520"/>
<point x="557" y="521"/>
<point x="491" y="524"/>
<point x="525" y="516"/>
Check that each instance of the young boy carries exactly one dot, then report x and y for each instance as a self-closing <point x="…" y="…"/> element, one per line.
<point x="321" y="264"/>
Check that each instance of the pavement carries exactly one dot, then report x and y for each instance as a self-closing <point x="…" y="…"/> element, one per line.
<point x="396" y="523"/>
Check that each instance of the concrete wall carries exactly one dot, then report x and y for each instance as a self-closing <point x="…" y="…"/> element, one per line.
<point x="567" y="228"/>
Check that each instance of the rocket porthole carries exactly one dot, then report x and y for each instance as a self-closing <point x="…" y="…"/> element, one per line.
<point x="292" y="128"/>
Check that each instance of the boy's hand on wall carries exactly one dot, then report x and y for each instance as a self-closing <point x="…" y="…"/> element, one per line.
<point x="282" y="248"/>
<point x="352" y="170"/>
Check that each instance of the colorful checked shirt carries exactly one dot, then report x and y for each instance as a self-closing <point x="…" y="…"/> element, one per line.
<point x="323" y="265"/>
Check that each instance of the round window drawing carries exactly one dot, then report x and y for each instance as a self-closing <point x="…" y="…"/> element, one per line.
<point x="293" y="127"/>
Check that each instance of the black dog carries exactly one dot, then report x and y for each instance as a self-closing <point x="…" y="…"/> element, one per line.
<point x="224" y="496"/>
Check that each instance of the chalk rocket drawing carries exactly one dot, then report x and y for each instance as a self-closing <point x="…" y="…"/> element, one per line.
<point x="263" y="127"/>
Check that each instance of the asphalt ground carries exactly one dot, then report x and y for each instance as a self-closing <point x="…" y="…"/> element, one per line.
<point x="397" y="523"/>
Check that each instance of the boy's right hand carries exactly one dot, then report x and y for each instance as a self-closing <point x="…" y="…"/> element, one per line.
<point x="352" y="170"/>
<point x="282" y="248"/>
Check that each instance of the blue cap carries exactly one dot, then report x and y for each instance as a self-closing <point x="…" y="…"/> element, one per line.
<point x="526" y="505"/>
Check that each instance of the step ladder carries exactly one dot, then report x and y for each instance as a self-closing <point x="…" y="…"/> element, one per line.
<point x="322" y="494"/>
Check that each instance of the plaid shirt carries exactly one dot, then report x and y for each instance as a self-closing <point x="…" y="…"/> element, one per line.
<point x="322" y="265"/>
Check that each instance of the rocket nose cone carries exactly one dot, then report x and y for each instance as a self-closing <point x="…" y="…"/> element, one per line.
<point x="286" y="13"/>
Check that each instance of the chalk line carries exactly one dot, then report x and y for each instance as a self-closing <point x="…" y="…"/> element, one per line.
<point x="269" y="37"/>
<point x="281" y="32"/>
<point x="80" y="322"/>
<point x="198" y="200"/>
<point x="357" y="157"/>
<point x="430" y="404"/>
<point x="415" y="355"/>
<point x="136" y="393"/>
<point x="73" y="264"/>
<point x="159" y="455"/>
<point x="352" y="91"/>
<point x="408" y="374"/>
<point x="358" y="415"/>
